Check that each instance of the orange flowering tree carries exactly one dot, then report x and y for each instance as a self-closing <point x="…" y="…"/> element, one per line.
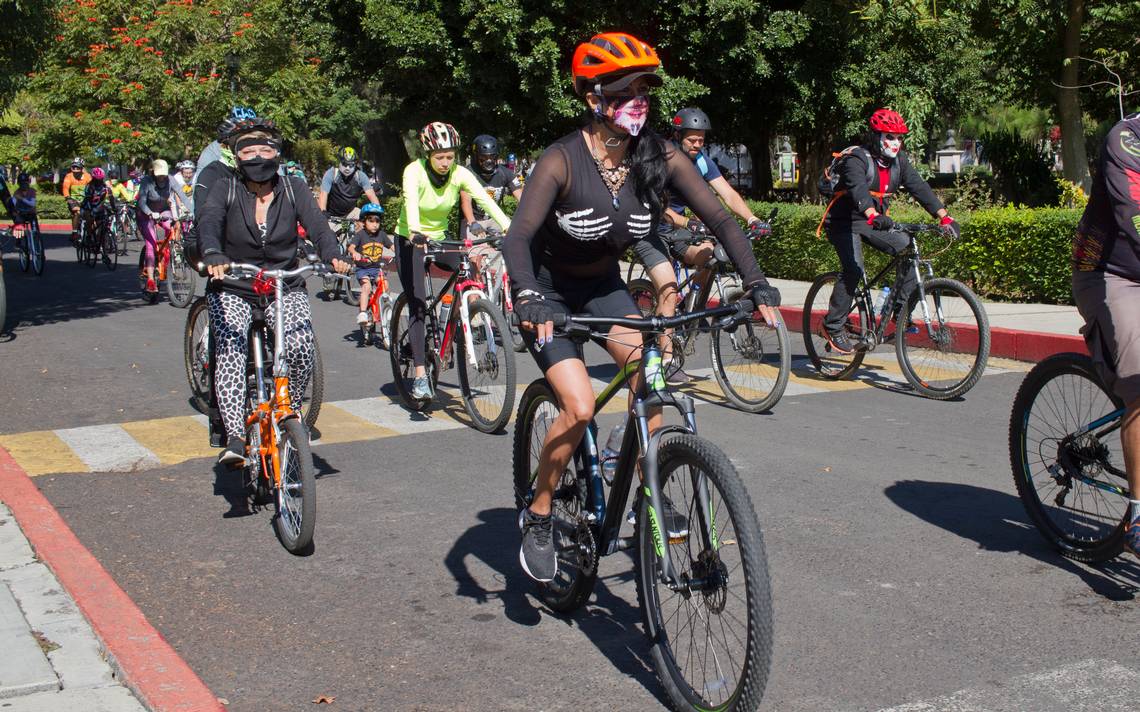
<point x="130" y="79"/>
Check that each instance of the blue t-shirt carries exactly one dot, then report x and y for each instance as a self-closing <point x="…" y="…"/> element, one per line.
<point x="708" y="170"/>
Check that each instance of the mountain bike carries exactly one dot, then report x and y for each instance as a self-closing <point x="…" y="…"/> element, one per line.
<point x="751" y="362"/>
<point x="1067" y="458"/>
<point x="181" y="277"/>
<point x="197" y="354"/>
<point x="29" y="243"/>
<point x="334" y="288"/>
<point x="379" y="311"/>
<point x="98" y="241"/>
<point x="705" y="595"/>
<point x="942" y="352"/>
<point x="473" y="336"/>
<point x="278" y="462"/>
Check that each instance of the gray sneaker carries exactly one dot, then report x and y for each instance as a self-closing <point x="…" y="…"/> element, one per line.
<point x="537" y="551"/>
<point x="421" y="388"/>
<point x="676" y="523"/>
<point x="675" y="375"/>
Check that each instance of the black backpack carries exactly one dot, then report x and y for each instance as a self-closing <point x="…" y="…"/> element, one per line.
<point x="829" y="179"/>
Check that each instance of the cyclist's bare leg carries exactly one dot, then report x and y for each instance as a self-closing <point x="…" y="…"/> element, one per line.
<point x="696" y="256"/>
<point x="365" y="294"/>
<point x="1130" y="439"/>
<point x="75" y="218"/>
<point x="665" y="283"/>
<point x="571" y="384"/>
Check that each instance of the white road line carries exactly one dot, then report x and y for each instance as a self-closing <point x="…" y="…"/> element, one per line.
<point x="383" y="412"/>
<point x="1085" y="686"/>
<point x="108" y="448"/>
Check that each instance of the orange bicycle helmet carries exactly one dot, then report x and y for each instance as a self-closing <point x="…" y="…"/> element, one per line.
<point x="616" y="56"/>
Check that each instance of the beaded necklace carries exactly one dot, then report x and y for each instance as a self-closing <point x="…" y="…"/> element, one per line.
<point x="615" y="177"/>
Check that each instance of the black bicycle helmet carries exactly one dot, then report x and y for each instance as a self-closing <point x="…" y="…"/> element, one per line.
<point x="256" y="123"/>
<point x="485" y="145"/>
<point x="691" y="119"/>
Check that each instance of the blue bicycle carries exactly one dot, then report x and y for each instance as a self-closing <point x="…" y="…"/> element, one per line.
<point x="1067" y="458"/>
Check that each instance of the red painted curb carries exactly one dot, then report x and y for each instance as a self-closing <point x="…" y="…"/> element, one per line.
<point x="146" y="663"/>
<point x="1004" y="343"/>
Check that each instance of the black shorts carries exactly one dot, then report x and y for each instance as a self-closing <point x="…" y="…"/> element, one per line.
<point x="599" y="296"/>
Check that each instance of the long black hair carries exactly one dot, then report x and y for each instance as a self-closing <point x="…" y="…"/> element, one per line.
<point x="647" y="166"/>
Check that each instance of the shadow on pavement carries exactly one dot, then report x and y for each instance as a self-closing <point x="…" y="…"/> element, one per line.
<point x="997" y="522"/>
<point x="228" y="484"/>
<point x="68" y="291"/>
<point x="608" y="620"/>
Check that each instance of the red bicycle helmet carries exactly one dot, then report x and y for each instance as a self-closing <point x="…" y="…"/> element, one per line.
<point x="888" y="121"/>
<point x="613" y="54"/>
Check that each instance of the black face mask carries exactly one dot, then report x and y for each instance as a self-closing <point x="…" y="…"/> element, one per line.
<point x="259" y="169"/>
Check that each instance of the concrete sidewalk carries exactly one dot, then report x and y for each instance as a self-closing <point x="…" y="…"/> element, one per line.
<point x="52" y="660"/>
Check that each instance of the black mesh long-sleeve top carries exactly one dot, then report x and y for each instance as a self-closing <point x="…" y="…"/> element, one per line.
<point x="568" y="222"/>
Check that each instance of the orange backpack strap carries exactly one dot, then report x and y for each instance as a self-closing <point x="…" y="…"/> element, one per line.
<point x="819" y="228"/>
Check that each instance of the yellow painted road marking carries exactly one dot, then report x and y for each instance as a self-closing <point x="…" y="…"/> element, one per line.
<point x="42" y="453"/>
<point x="337" y="425"/>
<point x="172" y="440"/>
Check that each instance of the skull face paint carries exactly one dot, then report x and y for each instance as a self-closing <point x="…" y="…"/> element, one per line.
<point x="890" y="144"/>
<point x="632" y="114"/>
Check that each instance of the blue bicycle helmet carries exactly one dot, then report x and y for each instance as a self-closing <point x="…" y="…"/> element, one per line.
<point x="371" y="209"/>
<point x="241" y="113"/>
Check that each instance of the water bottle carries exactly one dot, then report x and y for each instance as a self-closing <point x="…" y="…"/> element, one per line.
<point x="884" y="301"/>
<point x="610" y="452"/>
<point x="445" y="308"/>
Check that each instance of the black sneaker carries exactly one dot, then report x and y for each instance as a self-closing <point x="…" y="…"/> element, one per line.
<point x="675" y="375"/>
<point x="537" y="551"/>
<point x="234" y="454"/>
<point x="839" y="341"/>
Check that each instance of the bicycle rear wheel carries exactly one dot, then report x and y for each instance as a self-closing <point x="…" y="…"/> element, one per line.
<point x="644" y="296"/>
<point x="196" y="354"/>
<point x="36" y="248"/>
<point x="181" y="279"/>
<point x="946" y="359"/>
<point x="573" y="538"/>
<point x="751" y="362"/>
<point x="488" y="387"/>
<point x="108" y="247"/>
<point x="711" y="640"/>
<point x="830" y="363"/>
<point x="23" y="252"/>
<point x="296" y="499"/>
<point x="1063" y="394"/>
<point x="400" y="356"/>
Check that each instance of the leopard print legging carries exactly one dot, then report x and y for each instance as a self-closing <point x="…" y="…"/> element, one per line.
<point x="230" y="316"/>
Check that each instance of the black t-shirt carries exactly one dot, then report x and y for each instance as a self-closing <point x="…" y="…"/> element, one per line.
<point x="1108" y="235"/>
<point x="343" y="193"/>
<point x="370" y="246"/>
<point x="568" y="222"/>
<point x="501" y="181"/>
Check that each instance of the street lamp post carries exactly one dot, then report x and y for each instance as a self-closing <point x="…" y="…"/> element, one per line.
<point x="233" y="63"/>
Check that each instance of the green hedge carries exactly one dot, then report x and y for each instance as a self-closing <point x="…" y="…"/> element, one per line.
<point x="1007" y="254"/>
<point x="1012" y="254"/>
<point x="50" y="204"/>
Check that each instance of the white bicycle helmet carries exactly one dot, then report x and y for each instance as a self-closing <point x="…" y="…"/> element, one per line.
<point x="438" y="136"/>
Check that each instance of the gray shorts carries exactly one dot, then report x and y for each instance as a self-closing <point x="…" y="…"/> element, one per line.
<point x="1110" y="306"/>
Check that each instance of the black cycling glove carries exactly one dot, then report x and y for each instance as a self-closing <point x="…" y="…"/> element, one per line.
<point x="696" y="227"/>
<point x="534" y="310"/>
<point x="881" y="222"/>
<point x="765" y="294"/>
<point x="477" y="230"/>
<point x="419" y="239"/>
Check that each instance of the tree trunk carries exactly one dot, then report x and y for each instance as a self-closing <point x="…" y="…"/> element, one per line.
<point x="387" y="152"/>
<point x="1076" y="168"/>
<point x="814" y="152"/>
<point x="761" y="152"/>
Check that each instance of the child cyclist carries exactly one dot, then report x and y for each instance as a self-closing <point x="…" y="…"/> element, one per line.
<point x="367" y="250"/>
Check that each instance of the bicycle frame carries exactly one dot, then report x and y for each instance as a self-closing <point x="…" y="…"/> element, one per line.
<point x="497" y="281"/>
<point x="462" y="287"/>
<point x="1113" y="421"/>
<point x="878" y="322"/>
<point x="652" y="393"/>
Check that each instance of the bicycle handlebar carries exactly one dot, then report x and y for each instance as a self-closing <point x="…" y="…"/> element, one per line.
<point x="730" y="313"/>
<point x="915" y="228"/>
<point x="242" y="270"/>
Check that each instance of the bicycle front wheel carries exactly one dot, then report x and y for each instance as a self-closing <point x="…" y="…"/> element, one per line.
<point x="297" y="496"/>
<point x="1060" y="396"/>
<point x="23" y="250"/>
<point x="36" y="248"/>
<point x="830" y="363"/>
<point x="711" y="638"/>
<point x="400" y="356"/>
<point x="109" y="248"/>
<point x="488" y="385"/>
<point x="751" y="362"/>
<point x="181" y="280"/>
<point x="196" y="353"/>
<point x="947" y="354"/>
<point x="574" y="541"/>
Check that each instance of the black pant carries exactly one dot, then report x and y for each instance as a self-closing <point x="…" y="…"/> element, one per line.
<point x="849" y="245"/>
<point x="412" y="280"/>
